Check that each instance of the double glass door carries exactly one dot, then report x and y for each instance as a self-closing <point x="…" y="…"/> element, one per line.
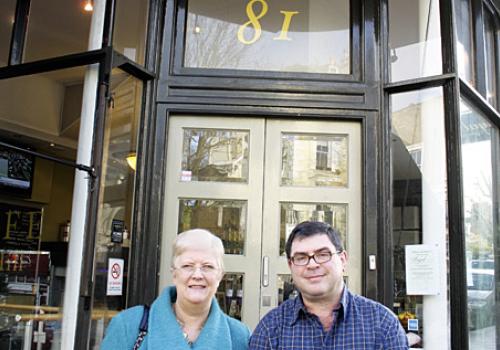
<point x="250" y="181"/>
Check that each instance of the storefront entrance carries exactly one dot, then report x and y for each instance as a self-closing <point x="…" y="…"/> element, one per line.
<point x="250" y="181"/>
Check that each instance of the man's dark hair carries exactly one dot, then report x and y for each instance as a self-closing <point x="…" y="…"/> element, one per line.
<point x="311" y="228"/>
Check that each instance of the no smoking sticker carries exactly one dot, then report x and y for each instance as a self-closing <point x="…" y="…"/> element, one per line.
<point x="115" y="277"/>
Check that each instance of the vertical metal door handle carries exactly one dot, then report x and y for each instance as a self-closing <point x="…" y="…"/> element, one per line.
<point x="265" y="271"/>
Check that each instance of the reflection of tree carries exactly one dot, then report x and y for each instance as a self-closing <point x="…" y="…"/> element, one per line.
<point x="211" y="44"/>
<point x="479" y="218"/>
<point x="214" y="155"/>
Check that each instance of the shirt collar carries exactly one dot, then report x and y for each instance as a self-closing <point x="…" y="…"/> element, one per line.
<point x="299" y="307"/>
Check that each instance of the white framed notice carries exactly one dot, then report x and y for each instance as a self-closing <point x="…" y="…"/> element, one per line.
<point x="115" y="277"/>
<point x="422" y="270"/>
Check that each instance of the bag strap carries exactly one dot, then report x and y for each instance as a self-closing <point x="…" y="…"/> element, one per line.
<point x="143" y="328"/>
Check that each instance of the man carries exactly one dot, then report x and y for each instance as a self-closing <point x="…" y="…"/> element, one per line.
<point x="326" y="315"/>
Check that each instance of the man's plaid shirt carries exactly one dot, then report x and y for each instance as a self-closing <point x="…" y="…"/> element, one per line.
<point x="359" y="323"/>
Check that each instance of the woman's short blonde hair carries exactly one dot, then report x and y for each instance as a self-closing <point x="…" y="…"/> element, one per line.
<point x="198" y="238"/>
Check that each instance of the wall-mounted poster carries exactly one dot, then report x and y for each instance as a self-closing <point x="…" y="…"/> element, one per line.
<point x="20" y="227"/>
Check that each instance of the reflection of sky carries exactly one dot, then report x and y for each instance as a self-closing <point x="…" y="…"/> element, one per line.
<point x="404" y="100"/>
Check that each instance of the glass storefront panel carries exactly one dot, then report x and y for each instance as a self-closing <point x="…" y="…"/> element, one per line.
<point x="292" y="214"/>
<point x="115" y="211"/>
<point x="311" y="36"/>
<point x="224" y="218"/>
<point x="129" y="32"/>
<point x="492" y="51"/>
<point x="35" y="204"/>
<point x="215" y="155"/>
<point x="414" y="39"/>
<point x="480" y="203"/>
<point x="286" y="288"/>
<point x="465" y="50"/>
<point x="314" y="160"/>
<point x="419" y="219"/>
<point x="230" y="294"/>
<point x="56" y="28"/>
<point x="7" y="16"/>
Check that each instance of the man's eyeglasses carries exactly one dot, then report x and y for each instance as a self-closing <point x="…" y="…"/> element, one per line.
<point x="321" y="257"/>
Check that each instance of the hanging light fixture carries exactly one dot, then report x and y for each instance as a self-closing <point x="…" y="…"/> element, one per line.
<point x="89" y="7"/>
<point x="132" y="160"/>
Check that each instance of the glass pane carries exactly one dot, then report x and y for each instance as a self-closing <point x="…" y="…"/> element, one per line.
<point x="115" y="211"/>
<point x="414" y="39"/>
<point x="289" y="36"/>
<point x="286" y="289"/>
<point x="230" y="294"/>
<point x="292" y="214"/>
<point x="35" y="205"/>
<point x="7" y="15"/>
<point x="477" y="140"/>
<point x="215" y="155"/>
<point x="314" y="160"/>
<point x="224" y="218"/>
<point x="129" y="35"/>
<point x="491" y="30"/>
<point x="419" y="200"/>
<point x="56" y="27"/>
<point x="464" y="44"/>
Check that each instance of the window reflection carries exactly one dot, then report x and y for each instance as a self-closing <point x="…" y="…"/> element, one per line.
<point x="314" y="160"/>
<point x="230" y="294"/>
<point x="115" y="211"/>
<point x="292" y="214"/>
<point x="492" y="49"/>
<point x="478" y="202"/>
<point x="414" y="39"/>
<point x="224" y="218"/>
<point x="419" y="200"/>
<point x="7" y="14"/>
<point x="215" y="155"/>
<point x="274" y="35"/>
<point x="56" y="28"/>
<point x="129" y="34"/>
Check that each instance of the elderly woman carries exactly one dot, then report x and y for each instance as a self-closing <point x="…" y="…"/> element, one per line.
<point x="186" y="315"/>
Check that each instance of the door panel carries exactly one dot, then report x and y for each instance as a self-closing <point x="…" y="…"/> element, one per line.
<point x="250" y="180"/>
<point x="322" y="150"/>
<point x="216" y="191"/>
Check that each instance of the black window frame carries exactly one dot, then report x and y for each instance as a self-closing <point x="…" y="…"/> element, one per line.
<point x="355" y="11"/>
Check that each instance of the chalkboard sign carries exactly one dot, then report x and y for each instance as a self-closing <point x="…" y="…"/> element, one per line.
<point x="20" y="227"/>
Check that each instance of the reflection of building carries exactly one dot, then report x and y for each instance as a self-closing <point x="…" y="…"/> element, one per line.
<point x="144" y="118"/>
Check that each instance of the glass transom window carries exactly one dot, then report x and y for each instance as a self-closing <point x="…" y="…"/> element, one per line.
<point x="279" y="35"/>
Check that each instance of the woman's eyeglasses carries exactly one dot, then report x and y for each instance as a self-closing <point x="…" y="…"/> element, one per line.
<point x="189" y="269"/>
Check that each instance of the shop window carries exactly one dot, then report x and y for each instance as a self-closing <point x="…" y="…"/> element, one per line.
<point x="414" y="39"/>
<point x="492" y="50"/>
<point x="129" y="34"/>
<point x="56" y="28"/>
<point x="115" y="210"/>
<point x="480" y="203"/>
<point x="465" y="51"/>
<point x="420" y="214"/>
<point x="311" y="36"/>
<point x="35" y="204"/>
<point x="7" y="14"/>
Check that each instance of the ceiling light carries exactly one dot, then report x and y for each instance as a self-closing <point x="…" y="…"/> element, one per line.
<point x="132" y="160"/>
<point x="88" y="6"/>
